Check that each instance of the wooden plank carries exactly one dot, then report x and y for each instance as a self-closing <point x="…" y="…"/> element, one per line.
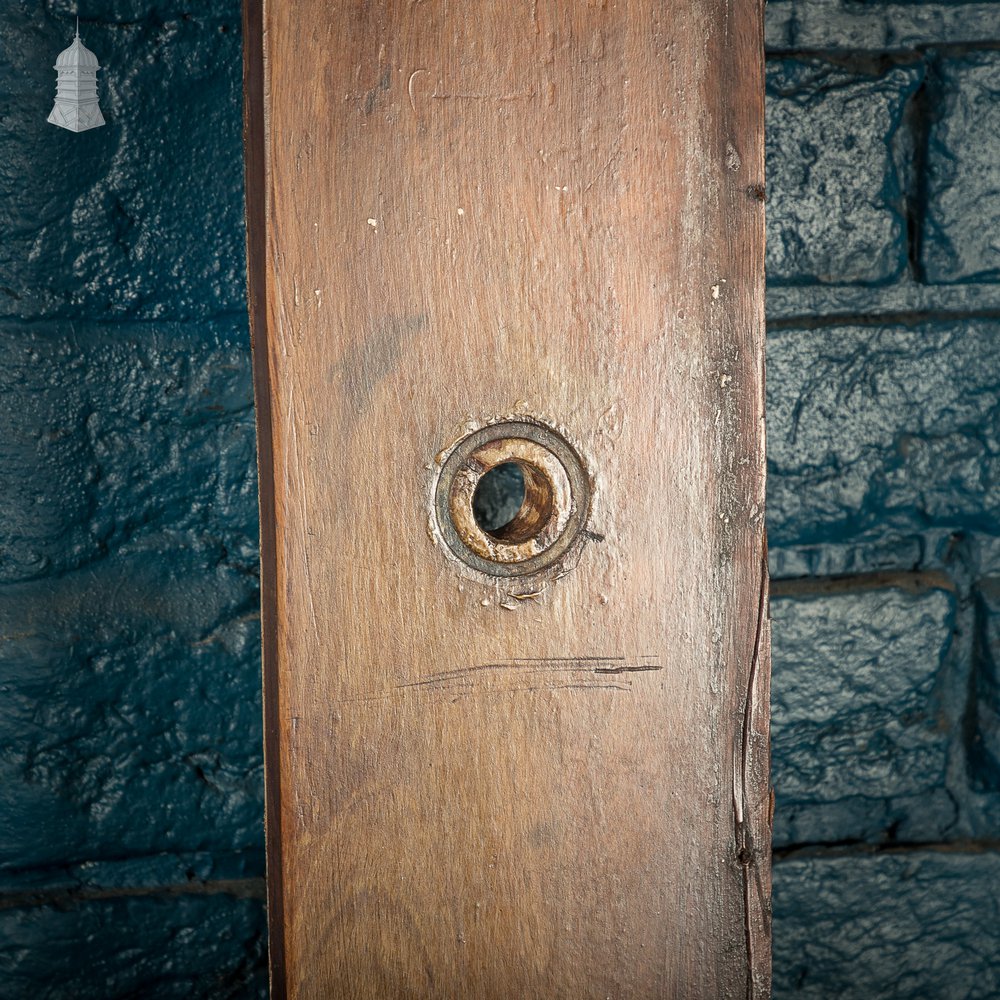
<point x="549" y="779"/>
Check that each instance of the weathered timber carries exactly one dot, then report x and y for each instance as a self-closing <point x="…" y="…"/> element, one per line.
<point x="550" y="780"/>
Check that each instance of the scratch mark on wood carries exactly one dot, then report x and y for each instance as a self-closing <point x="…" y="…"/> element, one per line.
<point x="461" y="688"/>
<point x="615" y="153"/>
<point x="410" y="90"/>
<point x="593" y="665"/>
<point x="576" y="659"/>
<point x="591" y="687"/>
<point x="628" y="669"/>
<point x="485" y="97"/>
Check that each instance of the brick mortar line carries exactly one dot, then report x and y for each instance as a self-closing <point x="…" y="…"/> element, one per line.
<point x="861" y="849"/>
<point x="913" y="581"/>
<point x="905" y="55"/>
<point x="815" y="321"/>
<point x="241" y="888"/>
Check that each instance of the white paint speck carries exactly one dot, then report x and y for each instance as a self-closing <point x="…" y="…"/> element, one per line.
<point x="373" y="223"/>
<point x="716" y="290"/>
<point x="461" y="211"/>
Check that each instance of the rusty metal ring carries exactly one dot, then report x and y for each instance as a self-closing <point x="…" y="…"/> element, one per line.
<point x="552" y="515"/>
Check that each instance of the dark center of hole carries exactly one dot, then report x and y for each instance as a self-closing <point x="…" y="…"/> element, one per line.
<point x="499" y="497"/>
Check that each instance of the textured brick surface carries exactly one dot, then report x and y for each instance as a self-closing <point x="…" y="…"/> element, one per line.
<point x="878" y="25"/>
<point x="878" y="433"/>
<point x="128" y="650"/>
<point x="141" y="218"/>
<point x="120" y="438"/>
<point x="184" y="947"/>
<point x="918" y="925"/>
<point x="961" y="235"/>
<point x="130" y="711"/>
<point x="859" y="742"/>
<point x="835" y="211"/>
<point x="129" y="646"/>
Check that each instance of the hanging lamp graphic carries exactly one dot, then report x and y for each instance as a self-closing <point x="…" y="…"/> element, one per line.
<point x="76" y="106"/>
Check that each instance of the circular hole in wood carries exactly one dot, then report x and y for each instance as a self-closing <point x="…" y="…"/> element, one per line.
<point x="513" y="502"/>
<point x="499" y="497"/>
<point x="511" y="498"/>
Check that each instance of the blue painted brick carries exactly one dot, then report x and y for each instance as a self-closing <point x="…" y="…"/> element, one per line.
<point x="878" y="26"/>
<point x="883" y="434"/>
<point x="142" y="218"/>
<point x="859" y="743"/>
<point x="130" y="711"/>
<point x="129" y="648"/>
<point x="961" y="232"/>
<point x="122" y="437"/>
<point x="835" y="210"/>
<point x="916" y="925"/>
<point x="187" y="947"/>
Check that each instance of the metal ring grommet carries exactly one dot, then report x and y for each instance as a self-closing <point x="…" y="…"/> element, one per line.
<point x="552" y="514"/>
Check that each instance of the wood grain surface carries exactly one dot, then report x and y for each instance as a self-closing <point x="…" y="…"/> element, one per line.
<point x="460" y="213"/>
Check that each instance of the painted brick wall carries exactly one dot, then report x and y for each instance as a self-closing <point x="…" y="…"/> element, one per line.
<point x="130" y="778"/>
<point x="884" y="496"/>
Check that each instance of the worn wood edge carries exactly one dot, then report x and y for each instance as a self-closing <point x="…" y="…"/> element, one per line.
<point x="753" y="800"/>
<point x="753" y="796"/>
<point x="255" y="183"/>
